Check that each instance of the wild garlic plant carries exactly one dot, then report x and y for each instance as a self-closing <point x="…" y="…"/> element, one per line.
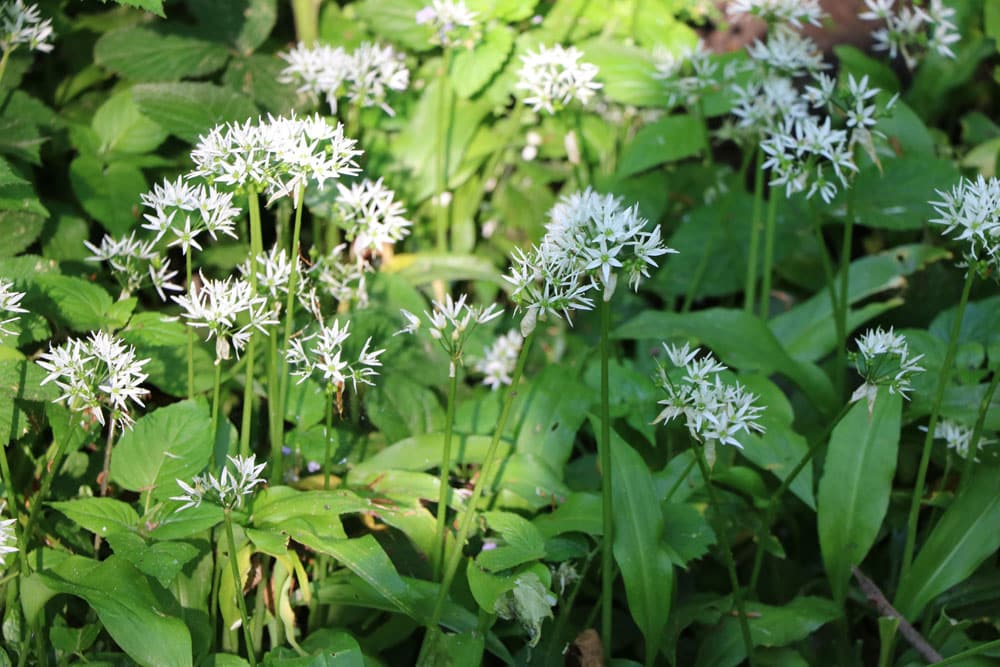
<point x="10" y="308"/>
<point x="22" y="24"/>
<point x="883" y="359"/>
<point x="498" y="360"/>
<point x="321" y="355"/>
<point x="450" y="324"/>
<point x="912" y="31"/>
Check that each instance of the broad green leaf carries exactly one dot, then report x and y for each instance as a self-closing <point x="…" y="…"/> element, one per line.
<point x="854" y="62"/>
<point x="521" y="542"/>
<point x="884" y="199"/>
<point x="401" y="407"/>
<point x="472" y="69"/>
<point x="175" y="525"/>
<point x="396" y="22"/>
<point x="243" y="23"/>
<point x="460" y="648"/>
<point x="101" y="516"/>
<point x="425" y="268"/>
<point x="165" y="445"/>
<point x="143" y="54"/>
<point x="161" y="560"/>
<point x="151" y="6"/>
<point x="856" y="483"/>
<point x="581" y="512"/>
<point x="20" y="231"/>
<point x="22" y="379"/>
<point x="256" y="76"/>
<point x="646" y="568"/>
<point x="277" y="505"/>
<point x="738" y="339"/>
<point x="627" y="72"/>
<point x="668" y="139"/>
<point x="365" y="558"/>
<point x="81" y="305"/>
<point x="139" y="614"/>
<point x="770" y="626"/>
<point x="423" y="452"/>
<point x="806" y="331"/>
<point x="108" y="192"/>
<point x="121" y="127"/>
<point x="687" y="534"/>
<point x="190" y="109"/>
<point x="527" y="482"/>
<point x="548" y="413"/>
<point x="968" y="534"/>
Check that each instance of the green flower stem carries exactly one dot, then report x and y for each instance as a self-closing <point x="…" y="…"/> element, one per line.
<point x="238" y="585"/>
<point x="248" y="396"/>
<point x="106" y="469"/>
<point x="769" y="229"/>
<point x="190" y="334"/>
<point x="582" y="165"/>
<point x="728" y="556"/>
<point x="442" y="508"/>
<point x="772" y="503"/>
<point x="293" y="284"/>
<point x="944" y="377"/>
<point x="443" y="152"/>
<point x="49" y="473"/>
<point x="750" y="285"/>
<point x="275" y="416"/>
<point x="216" y="392"/>
<point x="607" y="512"/>
<point x="485" y="480"/>
<point x="977" y="433"/>
<point x="3" y="62"/>
<point x="305" y="14"/>
<point x="844" y="300"/>
<point x="331" y="436"/>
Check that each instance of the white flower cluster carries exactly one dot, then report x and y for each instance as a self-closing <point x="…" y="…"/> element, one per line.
<point x="787" y="53"/>
<point x="958" y="437"/>
<point x="793" y="12"/>
<point x="341" y="278"/>
<point x="321" y="353"/>
<point x="690" y="74"/>
<point x="714" y="412"/>
<point x="133" y="263"/>
<point x="202" y="209"/>
<point x="274" y="273"/>
<point x="499" y="359"/>
<point x="883" y="359"/>
<point x="10" y="304"/>
<point x="229" y="309"/>
<point x="278" y="155"/>
<point x="371" y="217"/>
<point x="23" y="24"/>
<point x="971" y="213"/>
<point x="554" y="77"/>
<point x="912" y="30"/>
<point x="8" y="538"/>
<point x="589" y="239"/>
<point x="450" y="324"/>
<point x="228" y="490"/>
<point x="364" y="76"/>
<point x="96" y="373"/>
<point x="452" y="21"/>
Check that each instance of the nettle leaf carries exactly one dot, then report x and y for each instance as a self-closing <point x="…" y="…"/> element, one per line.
<point x="581" y="513"/>
<point x="81" y="305"/>
<point x="472" y="69"/>
<point x="190" y="109"/>
<point x="521" y="542"/>
<point x="168" y="444"/>
<point x="965" y="537"/>
<point x="141" y="616"/>
<point x="687" y="534"/>
<point x="145" y="54"/>
<point x="110" y="193"/>
<point x="161" y="560"/>
<point x="101" y="516"/>
<point x="668" y="139"/>
<point x="151" y="6"/>
<point x="243" y="23"/>
<point x="856" y="483"/>
<point x="120" y="126"/>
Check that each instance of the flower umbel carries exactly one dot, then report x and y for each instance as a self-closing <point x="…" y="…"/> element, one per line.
<point x="23" y="24"/>
<point x="450" y="324"/>
<point x="321" y="354"/>
<point x="714" y="411"/>
<point x="238" y="480"/>
<point x="499" y="359"/>
<point x="883" y="359"/>
<point x="96" y="373"/>
<point x="958" y="437"/>
<point x="554" y="77"/>
<point x="10" y="304"/>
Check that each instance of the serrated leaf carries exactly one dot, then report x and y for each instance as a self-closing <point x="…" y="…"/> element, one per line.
<point x="101" y="516"/>
<point x="167" y="444"/>
<point x="109" y="193"/>
<point x="121" y="127"/>
<point x="81" y="305"/>
<point x="190" y="109"/>
<point x="143" y="54"/>
<point x="243" y="23"/>
<point x="152" y="6"/>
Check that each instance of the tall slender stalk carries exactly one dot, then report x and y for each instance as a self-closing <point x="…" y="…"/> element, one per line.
<point x="728" y="557"/>
<point x="275" y="411"/>
<point x="977" y="433"/>
<point x="216" y="392"/>
<point x="844" y="301"/>
<point x="190" y="333"/>
<point x="607" y="541"/>
<point x="485" y="480"/>
<point x="750" y="284"/>
<point x="443" y="152"/>
<point x="442" y="509"/>
<point x="769" y="230"/>
<point x="256" y="250"/>
<point x="293" y="283"/>
<point x="944" y="377"/>
<point x="238" y="586"/>
<point x="330" y="436"/>
<point x="305" y="14"/>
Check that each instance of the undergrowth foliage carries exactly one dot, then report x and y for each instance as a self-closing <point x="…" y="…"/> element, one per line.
<point x="498" y="332"/>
